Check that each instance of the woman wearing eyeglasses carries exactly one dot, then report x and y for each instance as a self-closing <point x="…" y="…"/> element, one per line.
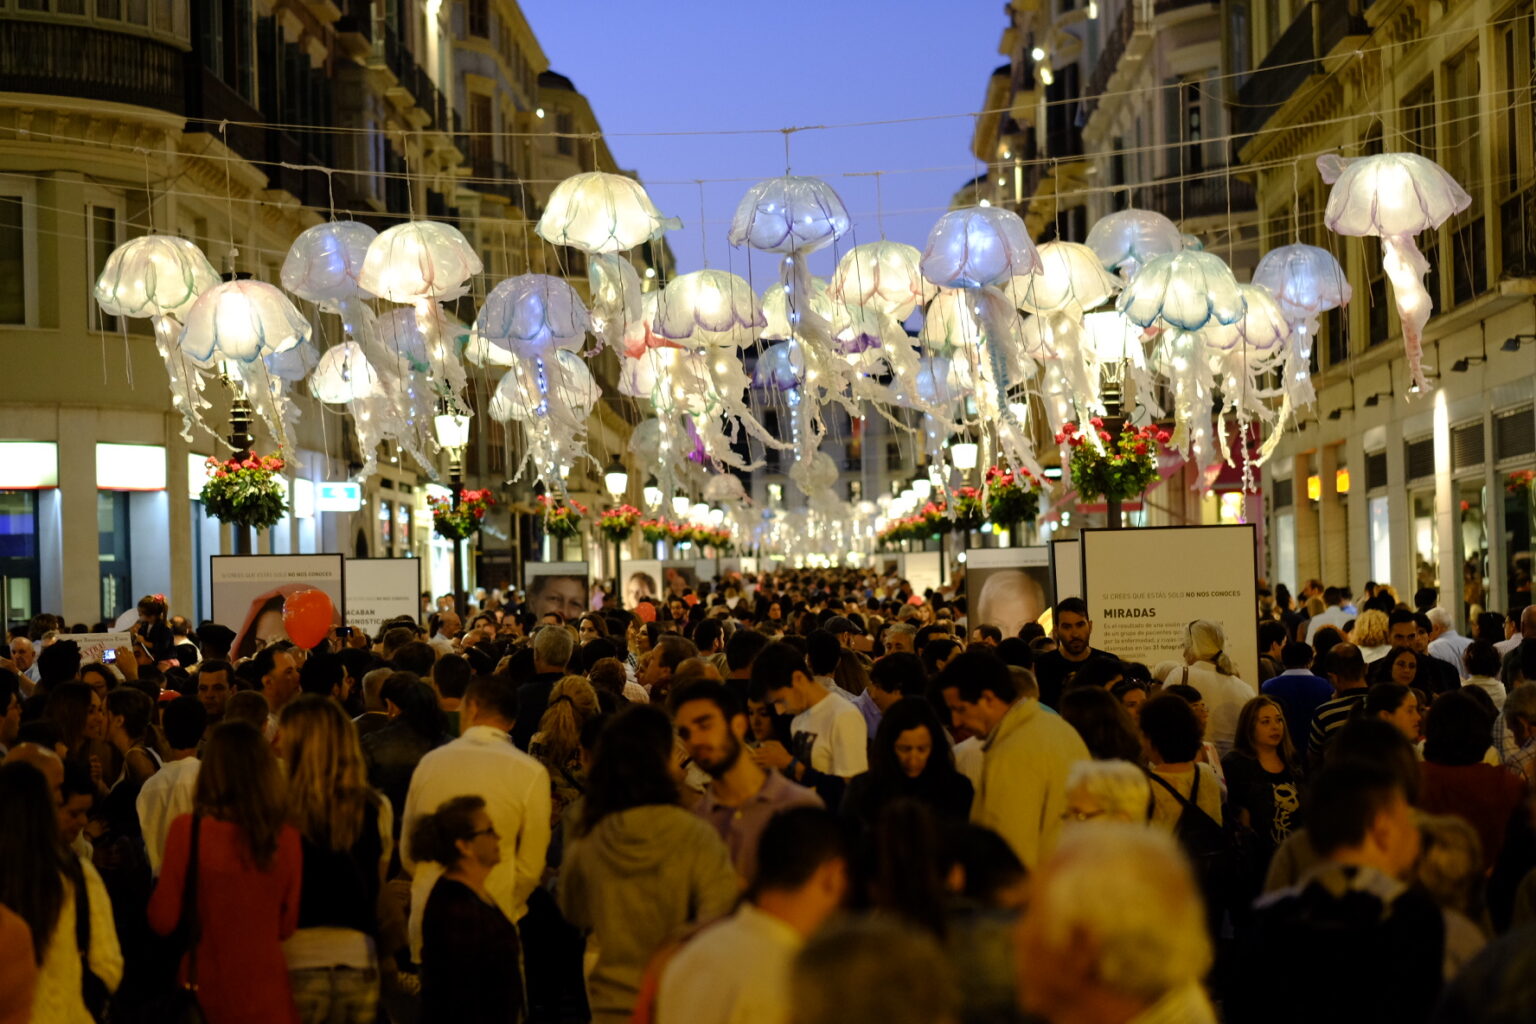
<point x="470" y="955"/>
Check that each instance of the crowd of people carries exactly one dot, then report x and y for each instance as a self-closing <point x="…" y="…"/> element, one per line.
<point x="797" y="797"/>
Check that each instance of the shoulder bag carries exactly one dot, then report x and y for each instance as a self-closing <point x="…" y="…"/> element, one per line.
<point x="181" y="1005"/>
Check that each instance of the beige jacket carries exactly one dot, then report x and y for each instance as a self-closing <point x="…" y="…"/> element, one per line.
<point x="1023" y="789"/>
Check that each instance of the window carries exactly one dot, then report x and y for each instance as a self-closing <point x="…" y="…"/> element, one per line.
<point x="113" y="552"/>
<point x="480" y="18"/>
<point x="1462" y="157"/>
<point x="1419" y="118"/>
<point x="101" y="225"/>
<point x="19" y="560"/>
<point x="482" y="142"/>
<point x="1426" y="544"/>
<point x="1381" y="538"/>
<point x="1519" y="534"/>
<point x="1472" y="522"/>
<point x="15" y="267"/>
<point x="565" y="128"/>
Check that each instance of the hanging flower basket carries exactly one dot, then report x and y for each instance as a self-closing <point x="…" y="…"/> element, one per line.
<point x="1519" y="482"/>
<point x="653" y="530"/>
<point x="1122" y="469"/>
<point x="1013" y="496"/>
<point x="719" y="538"/>
<point x="245" y="492"/>
<point x="935" y="518"/>
<point x="618" y="524"/>
<point x="460" y="523"/>
<point x="970" y="511"/>
<point x="562" y="519"/>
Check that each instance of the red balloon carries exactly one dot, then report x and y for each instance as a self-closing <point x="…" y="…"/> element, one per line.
<point x="308" y="616"/>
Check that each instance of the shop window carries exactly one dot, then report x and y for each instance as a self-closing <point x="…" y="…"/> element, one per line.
<point x="1381" y="538"/>
<point x="1472" y="520"/>
<point x="1519" y="532"/>
<point x="19" y="558"/>
<point x="1426" y="544"/>
<point x="114" y="553"/>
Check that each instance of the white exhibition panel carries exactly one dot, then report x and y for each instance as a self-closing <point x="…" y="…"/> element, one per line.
<point x="380" y="589"/>
<point x="1144" y="586"/>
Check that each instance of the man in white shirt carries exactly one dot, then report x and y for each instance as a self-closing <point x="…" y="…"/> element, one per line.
<point x="1444" y="642"/>
<point x="737" y="971"/>
<point x="167" y="794"/>
<point x="484" y="763"/>
<point x="1334" y="615"/>
<point x="831" y="741"/>
<point x="1527" y="631"/>
<point x="448" y="626"/>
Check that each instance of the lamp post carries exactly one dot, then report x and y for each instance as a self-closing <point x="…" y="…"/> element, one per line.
<point x="616" y="480"/>
<point x="452" y="430"/>
<point x="240" y="440"/>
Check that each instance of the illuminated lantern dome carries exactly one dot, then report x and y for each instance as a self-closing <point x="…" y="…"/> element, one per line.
<point x="420" y="261"/>
<point x="154" y="275"/>
<point x="244" y="321"/>
<point x="598" y="212"/>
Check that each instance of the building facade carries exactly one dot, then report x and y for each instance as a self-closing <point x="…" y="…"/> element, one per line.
<point x="1380" y="483"/>
<point x="236" y="124"/>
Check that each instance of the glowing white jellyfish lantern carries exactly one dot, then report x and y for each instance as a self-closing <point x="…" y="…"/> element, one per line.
<point x="344" y="375"/>
<point x="530" y="316"/>
<point x="1185" y="290"/>
<point x="419" y="261"/>
<point x="708" y="309"/>
<point x="978" y="246"/>
<point x="791" y="214"/>
<point x="154" y="275"/>
<point x="1395" y="196"/>
<point x="1127" y="239"/>
<point x="324" y="262"/>
<point x="1071" y="280"/>
<point x="598" y="212"/>
<point x="884" y="277"/>
<point x="243" y="321"/>
<point x="160" y="277"/>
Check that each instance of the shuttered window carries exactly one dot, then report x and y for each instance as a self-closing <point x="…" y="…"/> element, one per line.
<point x="1419" y="457"/>
<point x="1514" y="433"/>
<point x="1467" y="446"/>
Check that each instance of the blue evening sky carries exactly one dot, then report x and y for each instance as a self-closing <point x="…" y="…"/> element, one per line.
<point x="701" y="66"/>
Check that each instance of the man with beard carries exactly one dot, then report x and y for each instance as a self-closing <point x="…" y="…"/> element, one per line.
<point x="741" y="796"/>
<point x="1055" y="669"/>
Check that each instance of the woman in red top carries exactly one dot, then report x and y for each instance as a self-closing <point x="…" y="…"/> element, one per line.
<point x="1456" y="780"/>
<point x="249" y="863"/>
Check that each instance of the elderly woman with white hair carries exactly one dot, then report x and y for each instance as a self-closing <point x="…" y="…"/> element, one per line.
<point x="1107" y="791"/>
<point x="1115" y="931"/>
<point x="1209" y="669"/>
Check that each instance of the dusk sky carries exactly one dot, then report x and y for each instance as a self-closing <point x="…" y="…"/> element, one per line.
<point x="690" y="66"/>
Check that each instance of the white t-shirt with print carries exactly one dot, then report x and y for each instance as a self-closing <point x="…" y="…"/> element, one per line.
<point x="832" y="738"/>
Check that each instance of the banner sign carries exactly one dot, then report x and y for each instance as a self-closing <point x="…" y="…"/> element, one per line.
<point x="921" y="569"/>
<point x="380" y="589"/>
<point x="1007" y="587"/>
<point x="1145" y="586"/>
<point x="248" y="593"/>
<point x="1067" y="568"/>
<point x="94" y="645"/>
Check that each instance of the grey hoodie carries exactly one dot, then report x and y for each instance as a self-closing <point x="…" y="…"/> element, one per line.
<point x="635" y="881"/>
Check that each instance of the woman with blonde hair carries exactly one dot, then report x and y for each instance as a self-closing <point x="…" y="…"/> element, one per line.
<point x="1370" y="635"/>
<point x="1209" y="669"/>
<point x="247" y="860"/>
<point x="1111" y="790"/>
<point x="345" y="828"/>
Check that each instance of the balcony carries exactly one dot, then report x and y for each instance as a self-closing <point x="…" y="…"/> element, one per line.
<point x="1115" y="44"/>
<point x="88" y="63"/>
<point x="1296" y="56"/>
<point x="1210" y="196"/>
<point x="401" y="63"/>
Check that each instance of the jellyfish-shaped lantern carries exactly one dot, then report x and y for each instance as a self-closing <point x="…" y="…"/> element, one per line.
<point x="160" y="277"/>
<point x="1126" y="239"/>
<point x="1395" y="196"/>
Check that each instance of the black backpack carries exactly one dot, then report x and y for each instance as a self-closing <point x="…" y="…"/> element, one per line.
<point x="1205" y="841"/>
